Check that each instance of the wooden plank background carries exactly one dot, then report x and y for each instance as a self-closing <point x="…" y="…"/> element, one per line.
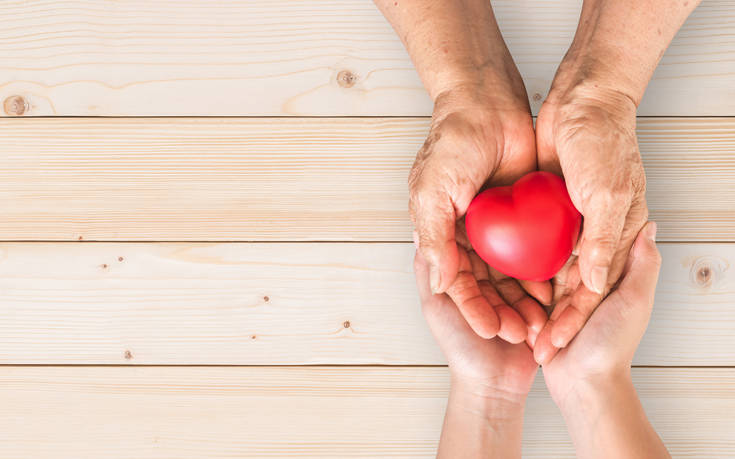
<point x="196" y="412"/>
<point x="286" y="179"/>
<point x="293" y="124"/>
<point x="295" y="304"/>
<point x="289" y="57"/>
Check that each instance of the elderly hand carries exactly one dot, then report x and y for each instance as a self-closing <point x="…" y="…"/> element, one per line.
<point x="479" y="135"/>
<point x="586" y="132"/>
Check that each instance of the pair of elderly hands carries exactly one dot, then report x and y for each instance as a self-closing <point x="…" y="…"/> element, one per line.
<point x="482" y="134"/>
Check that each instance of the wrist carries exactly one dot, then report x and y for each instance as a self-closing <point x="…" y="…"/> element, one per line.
<point x="588" y="396"/>
<point x="481" y="421"/>
<point x="583" y="68"/>
<point x="497" y="86"/>
<point x="578" y="98"/>
<point x="612" y="49"/>
<point x="485" y="105"/>
<point x="492" y="404"/>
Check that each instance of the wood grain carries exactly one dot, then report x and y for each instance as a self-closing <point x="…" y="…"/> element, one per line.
<point x="305" y="57"/>
<point x="166" y="412"/>
<point x="292" y="179"/>
<point x="280" y="303"/>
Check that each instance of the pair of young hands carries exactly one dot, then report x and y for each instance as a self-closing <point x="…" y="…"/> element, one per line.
<point x="589" y="379"/>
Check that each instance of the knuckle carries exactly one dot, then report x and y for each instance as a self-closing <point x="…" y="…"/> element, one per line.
<point x="464" y="286"/>
<point x="612" y="195"/>
<point x="601" y="250"/>
<point x="638" y="182"/>
<point x="658" y="260"/>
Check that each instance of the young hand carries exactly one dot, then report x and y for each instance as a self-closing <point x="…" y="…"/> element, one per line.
<point x="590" y="379"/>
<point x="490" y="379"/>
<point x="605" y="346"/>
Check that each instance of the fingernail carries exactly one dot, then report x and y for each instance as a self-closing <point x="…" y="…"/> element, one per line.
<point x="532" y="335"/>
<point x="435" y="279"/>
<point x="559" y="341"/>
<point x="598" y="277"/>
<point x="651" y="231"/>
<point x="542" y="358"/>
<point x="416" y="239"/>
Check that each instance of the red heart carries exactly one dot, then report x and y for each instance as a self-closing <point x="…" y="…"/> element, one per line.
<point x="526" y="230"/>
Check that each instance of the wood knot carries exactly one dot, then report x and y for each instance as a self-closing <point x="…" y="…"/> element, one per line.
<point x="266" y="298"/>
<point x="120" y="259"/>
<point x="346" y="79"/>
<point x="346" y="324"/>
<point x="704" y="275"/>
<point x="128" y="354"/>
<point x="15" y="106"/>
<point x="706" y="271"/>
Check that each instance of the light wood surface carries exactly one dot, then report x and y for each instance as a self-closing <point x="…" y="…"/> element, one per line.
<point x="281" y="303"/>
<point x="307" y="57"/>
<point x="180" y="412"/>
<point x="292" y="179"/>
<point x="100" y="342"/>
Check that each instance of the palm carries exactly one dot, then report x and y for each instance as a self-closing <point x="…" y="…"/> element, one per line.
<point x="492" y="363"/>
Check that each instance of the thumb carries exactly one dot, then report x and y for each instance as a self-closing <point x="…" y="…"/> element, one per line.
<point x="435" y="220"/>
<point x="644" y="263"/>
<point x="600" y="237"/>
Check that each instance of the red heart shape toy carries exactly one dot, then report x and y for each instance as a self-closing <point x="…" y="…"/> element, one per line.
<point x="526" y="230"/>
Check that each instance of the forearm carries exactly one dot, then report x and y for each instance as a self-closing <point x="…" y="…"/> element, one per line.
<point x="606" y="420"/>
<point x="453" y="43"/>
<point x="481" y="425"/>
<point x="619" y="43"/>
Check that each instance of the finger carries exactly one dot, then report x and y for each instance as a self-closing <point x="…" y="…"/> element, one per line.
<point x="634" y="222"/>
<point x="602" y="229"/>
<point x="570" y="319"/>
<point x="566" y="280"/>
<point x="434" y="217"/>
<point x="466" y="294"/>
<point x="543" y="350"/>
<point x="532" y="313"/>
<point x="421" y="269"/>
<point x="540" y="290"/>
<point x="513" y="328"/>
<point x="460" y="235"/>
<point x="643" y="269"/>
<point x="478" y="266"/>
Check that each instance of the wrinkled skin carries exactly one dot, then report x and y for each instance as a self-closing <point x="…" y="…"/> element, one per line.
<point x="478" y="137"/>
<point x="587" y="134"/>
